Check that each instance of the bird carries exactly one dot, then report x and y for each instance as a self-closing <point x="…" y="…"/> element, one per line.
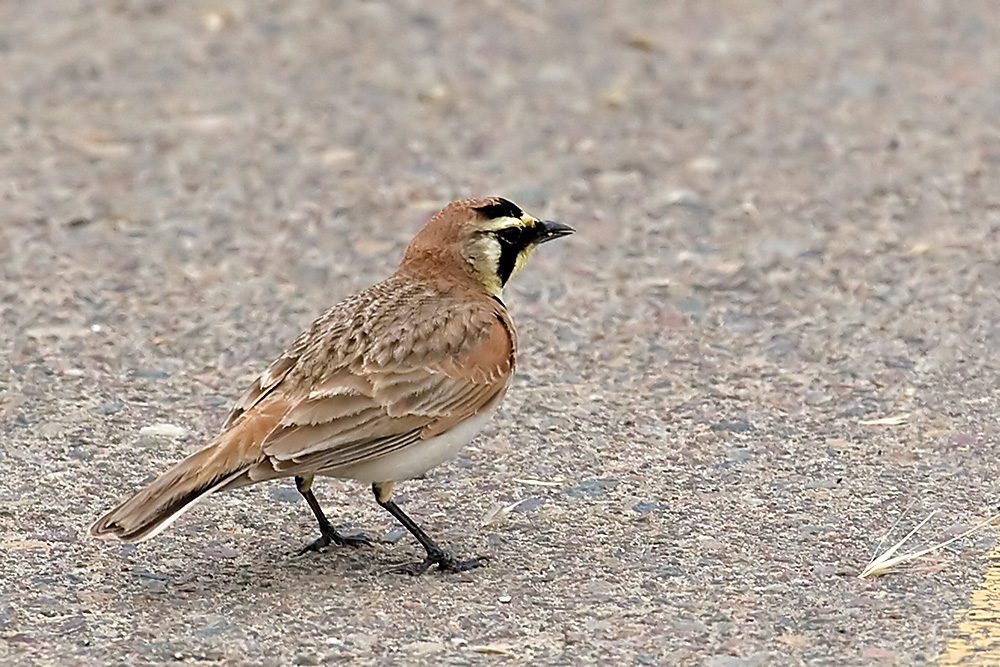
<point x="382" y="387"/>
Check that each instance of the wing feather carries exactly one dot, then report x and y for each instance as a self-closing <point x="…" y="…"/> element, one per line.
<point x="369" y="401"/>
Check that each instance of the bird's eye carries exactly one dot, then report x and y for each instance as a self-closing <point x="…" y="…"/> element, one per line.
<point x="511" y="237"/>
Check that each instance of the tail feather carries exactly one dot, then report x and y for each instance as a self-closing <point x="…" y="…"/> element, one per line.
<point x="223" y="464"/>
<point x="168" y="497"/>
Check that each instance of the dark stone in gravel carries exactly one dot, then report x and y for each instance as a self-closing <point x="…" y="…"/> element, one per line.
<point x="394" y="535"/>
<point x="733" y="426"/>
<point x="593" y="488"/>
<point x="647" y="507"/>
<point x="285" y="494"/>
<point x="219" y="551"/>
<point x="529" y="505"/>
<point x="149" y="374"/>
<point x="111" y="407"/>
<point x="740" y="454"/>
<point x="78" y="452"/>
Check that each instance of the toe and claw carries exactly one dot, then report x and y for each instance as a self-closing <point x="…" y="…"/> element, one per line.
<point x="445" y="561"/>
<point x="330" y="535"/>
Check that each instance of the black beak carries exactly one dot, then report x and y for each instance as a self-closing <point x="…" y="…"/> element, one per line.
<point x="549" y="229"/>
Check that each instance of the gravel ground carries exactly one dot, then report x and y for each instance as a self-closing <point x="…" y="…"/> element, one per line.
<point x="789" y="225"/>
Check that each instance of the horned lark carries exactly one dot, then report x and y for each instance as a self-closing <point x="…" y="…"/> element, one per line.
<point x="381" y="388"/>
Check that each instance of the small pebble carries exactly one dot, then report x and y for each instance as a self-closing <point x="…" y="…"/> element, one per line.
<point x="394" y="535"/>
<point x="285" y="494"/>
<point x="219" y="551"/>
<point x="529" y="505"/>
<point x="649" y="506"/>
<point x="111" y="407"/>
<point x="162" y="431"/>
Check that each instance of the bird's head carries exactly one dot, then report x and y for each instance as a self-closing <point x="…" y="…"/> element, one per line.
<point x="488" y="239"/>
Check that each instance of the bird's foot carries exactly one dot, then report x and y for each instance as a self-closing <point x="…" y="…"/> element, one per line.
<point x="330" y="536"/>
<point x="445" y="561"/>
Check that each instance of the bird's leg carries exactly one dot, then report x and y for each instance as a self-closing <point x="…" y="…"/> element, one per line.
<point x="328" y="533"/>
<point x="445" y="560"/>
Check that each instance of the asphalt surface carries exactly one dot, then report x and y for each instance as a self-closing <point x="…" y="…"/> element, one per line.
<point x="788" y="225"/>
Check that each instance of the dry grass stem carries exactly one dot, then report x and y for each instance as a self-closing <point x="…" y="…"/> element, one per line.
<point x="884" y="562"/>
<point x="895" y="420"/>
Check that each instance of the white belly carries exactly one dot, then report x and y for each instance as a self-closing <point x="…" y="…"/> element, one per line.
<point x="414" y="460"/>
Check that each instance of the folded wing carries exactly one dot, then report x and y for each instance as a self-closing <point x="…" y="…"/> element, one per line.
<point x="363" y="409"/>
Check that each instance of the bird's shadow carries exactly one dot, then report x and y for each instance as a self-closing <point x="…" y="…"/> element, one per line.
<point x="218" y="572"/>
